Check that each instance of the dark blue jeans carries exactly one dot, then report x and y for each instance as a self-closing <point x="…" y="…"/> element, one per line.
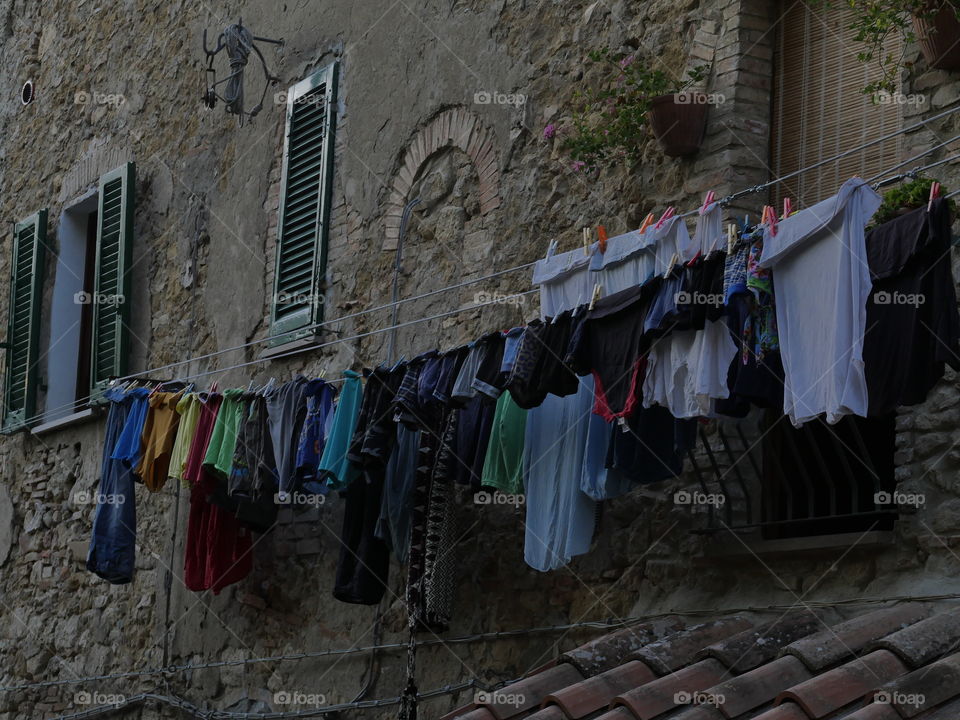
<point x="112" y="553"/>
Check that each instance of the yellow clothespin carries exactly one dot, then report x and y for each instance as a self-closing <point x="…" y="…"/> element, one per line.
<point x="596" y="295"/>
<point x="731" y="237"/>
<point x="673" y="262"/>
<point x="323" y="373"/>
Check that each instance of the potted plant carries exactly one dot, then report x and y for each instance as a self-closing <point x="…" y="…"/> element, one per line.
<point x="904" y="198"/>
<point x="933" y="24"/>
<point x="612" y="118"/>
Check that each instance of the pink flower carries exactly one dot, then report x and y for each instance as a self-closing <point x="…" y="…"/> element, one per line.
<point x="549" y="131"/>
<point x="578" y="165"/>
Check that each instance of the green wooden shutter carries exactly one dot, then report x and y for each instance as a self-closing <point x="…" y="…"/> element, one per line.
<point x="111" y="288"/>
<point x="23" y="326"/>
<point x="303" y="226"/>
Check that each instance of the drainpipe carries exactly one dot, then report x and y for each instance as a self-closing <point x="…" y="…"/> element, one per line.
<point x="404" y="219"/>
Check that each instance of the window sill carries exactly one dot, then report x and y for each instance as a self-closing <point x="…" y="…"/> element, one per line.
<point x="77" y="418"/>
<point x="814" y="544"/>
<point x="294" y="347"/>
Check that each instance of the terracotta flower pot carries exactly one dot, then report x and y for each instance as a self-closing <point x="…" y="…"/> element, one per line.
<point x="679" y="122"/>
<point x="939" y="38"/>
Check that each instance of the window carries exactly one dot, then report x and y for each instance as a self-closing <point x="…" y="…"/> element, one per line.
<point x="819" y="109"/>
<point x="26" y="286"/>
<point x="304" y="222"/>
<point x="85" y="343"/>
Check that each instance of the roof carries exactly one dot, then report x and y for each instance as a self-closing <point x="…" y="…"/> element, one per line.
<point x="896" y="663"/>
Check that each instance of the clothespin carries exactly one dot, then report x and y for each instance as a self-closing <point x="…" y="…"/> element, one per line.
<point x="602" y="238"/>
<point x="586" y="241"/>
<point x="551" y="248"/>
<point x="731" y="237"/>
<point x="323" y="373"/>
<point x="787" y="208"/>
<point x="770" y="218"/>
<point x="647" y="222"/>
<point x="668" y="213"/>
<point x="673" y="262"/>
<point x="707" y="200"/>
<point x="596" y="295"/>
<point x="934" y="194"/>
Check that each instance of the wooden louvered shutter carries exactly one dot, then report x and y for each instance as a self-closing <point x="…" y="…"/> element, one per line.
<point x="23" y="326"/>
<point x="819" y="109"/>
<point x="303" y="226"/>
<point x="111" y="287"/>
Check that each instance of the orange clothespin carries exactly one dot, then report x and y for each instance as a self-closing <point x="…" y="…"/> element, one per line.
<point x="647" y="222"/>
<point x="667" y="214"/>
<point x="707" y="200"/>
<point x="934" y="194"/>
<point x="602" y="238"/>
<point x="787" y="207"/>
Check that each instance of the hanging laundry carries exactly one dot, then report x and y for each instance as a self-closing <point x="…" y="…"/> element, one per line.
<point x="157" y="439"/>
<point x="128" y="449"/>
<point x="393" y="525"/>
<point x="286" y="410"/>
<point x="503" y="463"/>
<point x="188" y="407"/>
<point x="819" y="260"/>
<point x="112" y="553"/>
<point x="334" y="468"/>
<point x="912" y="325"/>
<point x="319" y="395"/>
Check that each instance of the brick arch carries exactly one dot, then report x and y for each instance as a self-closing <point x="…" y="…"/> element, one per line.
<point x="457" y="128"/>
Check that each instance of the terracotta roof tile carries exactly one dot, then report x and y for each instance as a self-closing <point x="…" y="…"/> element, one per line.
<point x="676" y="650"/>
<point x="787" y="711"/>
<point x="874" y="711"/>
<point x="469" y="712"/>
<point x="595" y="693"/>
<point x="950" y="711"/>
<point x="758" y="686"/>
<point x="834" y="689"/>
<point x="751" y="648"/>
<point x="923" y="689"/>
<point x="516" y="698"/>
<point x="831" y="646"/>
<point x="699" y="712"/>
<point x="926" y="640"/>
<point x="613" y="649"/>
<point x="659" y="696"/>
<point x="617" y="713"/>
<point x="551" y="712"/>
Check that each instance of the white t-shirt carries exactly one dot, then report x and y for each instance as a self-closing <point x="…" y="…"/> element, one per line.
<point x="822" y="282"/>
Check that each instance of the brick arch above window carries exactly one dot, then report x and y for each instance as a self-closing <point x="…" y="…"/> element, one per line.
<point x="458" y="128"/>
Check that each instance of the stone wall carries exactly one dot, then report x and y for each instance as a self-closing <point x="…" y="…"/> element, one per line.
<point x="493" y="192"/>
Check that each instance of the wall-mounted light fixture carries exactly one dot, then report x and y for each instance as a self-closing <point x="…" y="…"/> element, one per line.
<point x="238" y="42"/>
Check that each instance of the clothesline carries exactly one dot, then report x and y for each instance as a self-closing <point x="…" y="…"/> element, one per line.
<point x="913" y="173"/>
<point x="727" y="199"/>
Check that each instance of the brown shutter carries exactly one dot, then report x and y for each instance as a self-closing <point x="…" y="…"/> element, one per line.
<point x="819" y="109"/>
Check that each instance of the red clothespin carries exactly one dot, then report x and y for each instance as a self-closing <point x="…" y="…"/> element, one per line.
<point x="602" y="238"/>
<point x="787" y="208"/>
<point x="770" y="218"/>
<point x="647" y="222"/>
<point x="668" y="213"/>
<point x="934" y="194"/>
<point x="707" y="200"/>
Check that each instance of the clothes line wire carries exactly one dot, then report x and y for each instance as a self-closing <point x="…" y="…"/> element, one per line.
<point x="492" y="635"/>
<point x="726" y="200"/>
<point x="906" y="162"/>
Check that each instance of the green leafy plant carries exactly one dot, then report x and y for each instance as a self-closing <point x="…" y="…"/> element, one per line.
<point x="875" y="21"/>
<point x="906" y="197"/>
<point x="611" y="118"/>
